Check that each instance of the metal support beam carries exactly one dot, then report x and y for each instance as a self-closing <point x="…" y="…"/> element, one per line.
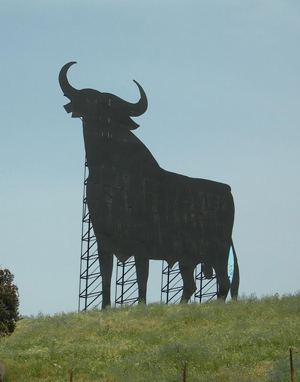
<point x="126" y="283"/>
<point x="172" y="286"/>
<point x="90" y="282"/>
<point x="207" y="289"/>
<point x="171" y="283"/>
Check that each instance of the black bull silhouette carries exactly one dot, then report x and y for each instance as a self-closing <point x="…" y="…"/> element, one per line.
<point x="138" y="209"/>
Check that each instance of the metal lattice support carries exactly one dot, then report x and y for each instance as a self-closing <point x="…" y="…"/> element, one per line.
<point x="171" y="285"/>
<point x="90" y="282"/>
<point x="126" y="283"/>
<point x="207" y="289"/>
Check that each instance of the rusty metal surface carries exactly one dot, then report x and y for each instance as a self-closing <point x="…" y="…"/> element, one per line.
<point x="139" y="209"/>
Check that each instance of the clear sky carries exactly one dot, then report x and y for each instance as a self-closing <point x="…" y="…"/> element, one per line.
<point x="223" y="84"/>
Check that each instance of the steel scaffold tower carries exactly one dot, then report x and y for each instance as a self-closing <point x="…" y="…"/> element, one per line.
<point x="171" y="285"/>
<point x="126" y="283"/>
<point x="90" y="282"/>
<point x="207" y="289"/>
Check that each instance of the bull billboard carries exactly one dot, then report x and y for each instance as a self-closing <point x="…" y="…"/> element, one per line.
<point x="139" y="209"/>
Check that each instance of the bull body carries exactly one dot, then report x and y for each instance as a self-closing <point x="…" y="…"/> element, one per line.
<point x="139" y="209"/>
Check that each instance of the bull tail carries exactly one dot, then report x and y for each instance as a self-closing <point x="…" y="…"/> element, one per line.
<point x="236" y="276"/>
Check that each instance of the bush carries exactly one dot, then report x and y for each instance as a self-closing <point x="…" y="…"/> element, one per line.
<point x="9" y="303"/>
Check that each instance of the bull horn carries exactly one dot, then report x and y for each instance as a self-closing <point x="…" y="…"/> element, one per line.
<point x="139" y="108"/>
<point x="63" y="80"/>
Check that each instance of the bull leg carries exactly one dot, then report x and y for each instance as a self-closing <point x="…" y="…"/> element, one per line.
<point x="189" y="286"/>
<point x="106" y="266"/>
<point x="222" y="276"/>
<point x="142" y="272"/>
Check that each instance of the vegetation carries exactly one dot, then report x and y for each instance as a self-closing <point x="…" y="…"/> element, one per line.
<point x="9" y="302"/>
<point x="245" y="340"/>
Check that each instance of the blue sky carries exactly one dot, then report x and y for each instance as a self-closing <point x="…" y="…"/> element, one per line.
<point x="223" y="85"/>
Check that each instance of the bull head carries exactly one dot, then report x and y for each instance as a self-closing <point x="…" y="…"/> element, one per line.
<point x="105" y="107"/>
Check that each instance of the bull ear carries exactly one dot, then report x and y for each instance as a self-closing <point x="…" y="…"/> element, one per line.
<point x="130" y="124"/>
<point x="67" y="89"/>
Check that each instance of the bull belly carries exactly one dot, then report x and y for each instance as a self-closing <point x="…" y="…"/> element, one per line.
<point x="153" y="228"/>
<point x="140" y="240"/>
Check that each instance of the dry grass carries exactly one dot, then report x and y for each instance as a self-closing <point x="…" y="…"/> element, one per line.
<point x="247" y="340"/>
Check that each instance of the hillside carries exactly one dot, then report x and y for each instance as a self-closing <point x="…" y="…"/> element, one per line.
<point x="245" y="340"/>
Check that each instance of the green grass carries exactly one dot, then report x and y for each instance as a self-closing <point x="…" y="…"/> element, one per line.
<point x="245" y="340"/>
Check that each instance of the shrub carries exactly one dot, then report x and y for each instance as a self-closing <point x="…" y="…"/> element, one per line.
<point x="9" y="303"/>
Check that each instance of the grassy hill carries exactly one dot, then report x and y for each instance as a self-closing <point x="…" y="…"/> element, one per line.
<point x="245" y="340"/>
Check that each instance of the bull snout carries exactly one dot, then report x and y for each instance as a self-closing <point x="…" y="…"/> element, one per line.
<point x="68" y="107"/>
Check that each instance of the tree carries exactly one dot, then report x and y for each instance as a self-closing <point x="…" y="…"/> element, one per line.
<point x="9" y="303"/>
